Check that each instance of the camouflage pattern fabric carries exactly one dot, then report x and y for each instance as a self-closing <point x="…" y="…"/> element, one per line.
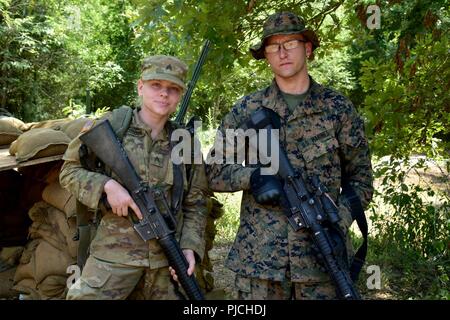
<point x="323" y="136"/>
<point x="164" y="68"/>
<point x="203" y="271"/>
<point x="102" y="280"/>
<point x="260" y="289"/>
<point x="115" y="240"/>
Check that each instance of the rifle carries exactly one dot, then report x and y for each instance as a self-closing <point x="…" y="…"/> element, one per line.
<point x="187" y="96"/>
<point x="156" y="223"/>
<point x="179" y="119"/>
<point x="315" y="212"/>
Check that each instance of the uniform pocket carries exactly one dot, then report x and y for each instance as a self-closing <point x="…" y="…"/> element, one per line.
<point x="95" y="276"/>
<point x="320" y="148"/>
<point x="160" y="168"/>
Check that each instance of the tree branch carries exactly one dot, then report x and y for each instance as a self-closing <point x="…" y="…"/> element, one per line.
<point x="250" y="5"/>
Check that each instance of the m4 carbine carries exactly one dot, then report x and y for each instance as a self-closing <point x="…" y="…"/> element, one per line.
<point x="315" y="212"/>
<point x="158" y="221"/>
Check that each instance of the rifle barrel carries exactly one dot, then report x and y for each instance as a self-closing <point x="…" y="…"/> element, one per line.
<point x="195" y="75"/>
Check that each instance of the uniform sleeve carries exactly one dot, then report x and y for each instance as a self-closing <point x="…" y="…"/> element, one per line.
<point x="223" y="176"/>
<point x="87" y="186"/>
<point x="355" y="155"/>
<point x="195" y="212"/>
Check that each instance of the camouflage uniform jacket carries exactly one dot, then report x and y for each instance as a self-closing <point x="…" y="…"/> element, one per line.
<point x="115" y="240"/>
<point x="323" y="136"/>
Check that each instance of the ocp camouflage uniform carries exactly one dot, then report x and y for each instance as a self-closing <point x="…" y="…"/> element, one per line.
<point x="323" y="136"/>
<point x="119" y="258"/>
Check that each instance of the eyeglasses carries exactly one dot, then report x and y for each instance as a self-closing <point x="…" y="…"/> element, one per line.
<point x="287" y="45"/>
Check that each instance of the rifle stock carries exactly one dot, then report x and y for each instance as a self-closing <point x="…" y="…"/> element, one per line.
<point x="104" y="143"/>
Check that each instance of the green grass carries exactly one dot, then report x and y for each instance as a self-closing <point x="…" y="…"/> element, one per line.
<point x="228" y="224"/>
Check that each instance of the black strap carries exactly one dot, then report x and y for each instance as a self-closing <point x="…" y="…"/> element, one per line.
<point x="177" y="191"/>
<point x="178" y="182"/>
<point x="357" y="211"/>
<point x="83" y="233"/>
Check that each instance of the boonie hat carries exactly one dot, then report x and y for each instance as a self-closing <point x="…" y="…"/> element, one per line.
<point x="283" y="23"/>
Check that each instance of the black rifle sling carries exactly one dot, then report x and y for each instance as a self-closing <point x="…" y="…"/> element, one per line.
<point x="357" y="211"/>
<point x="177" y="189"/>
<point x="83" y="233"/>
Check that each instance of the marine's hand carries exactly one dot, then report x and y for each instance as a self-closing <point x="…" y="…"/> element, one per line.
<point x="266" y="189"/>
<point x="189" y="254"/>
<point x="119" y="199"/>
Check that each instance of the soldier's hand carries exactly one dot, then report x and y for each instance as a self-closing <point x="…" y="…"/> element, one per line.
<point x="119" y="199"/>
<point x="189" y="254"/>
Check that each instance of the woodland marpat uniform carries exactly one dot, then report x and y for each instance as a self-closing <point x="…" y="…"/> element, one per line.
<point x="323" y="136"/>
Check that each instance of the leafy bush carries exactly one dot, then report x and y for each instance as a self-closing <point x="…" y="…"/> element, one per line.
<point x="410" y="230"/>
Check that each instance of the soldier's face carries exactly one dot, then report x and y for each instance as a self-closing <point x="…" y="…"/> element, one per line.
<point x="159" y="97"/>
<point x="288" y="63"/>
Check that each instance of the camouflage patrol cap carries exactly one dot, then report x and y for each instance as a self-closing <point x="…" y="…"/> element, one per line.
<point x="162" y="67"/>
<point x="283" y="23"/>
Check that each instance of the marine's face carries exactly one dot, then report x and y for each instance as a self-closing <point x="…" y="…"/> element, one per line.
<point x="159" y="97"/>
<point x="288" y="63"/>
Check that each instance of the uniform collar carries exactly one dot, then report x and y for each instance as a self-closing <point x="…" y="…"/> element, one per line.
<point x="273" y="99"/>
<point x="140" y="125"/>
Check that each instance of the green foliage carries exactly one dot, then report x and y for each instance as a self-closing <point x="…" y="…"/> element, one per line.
<point x="411" y="228"/>
<point x="30" y="54"/>
<point x="406" y="276"/>
<point x="228" y="224"/>
<point x="53" y="51"/>
<point x="410" y="110"/>
<point x="414" y="216"/>
<point x="403" y="76"/>
<point x="179" y="27"/>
